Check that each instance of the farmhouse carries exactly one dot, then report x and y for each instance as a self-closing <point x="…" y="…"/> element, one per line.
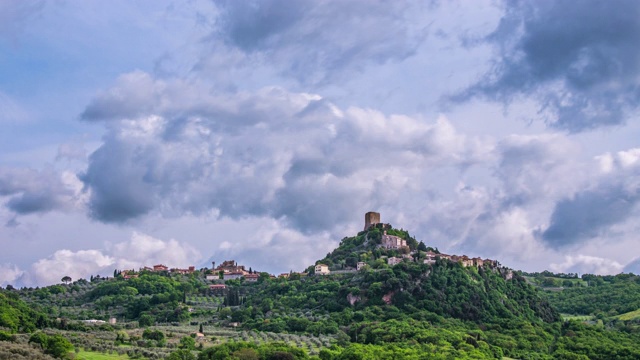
<point x="322" y="269"/>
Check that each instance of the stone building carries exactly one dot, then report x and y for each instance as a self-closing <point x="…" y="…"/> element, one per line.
<point x="230" y="266"/>
<point x="371" y="218"/>
<point x="392" y="241"/>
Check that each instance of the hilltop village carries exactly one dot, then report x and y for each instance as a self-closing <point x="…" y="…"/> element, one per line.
<point x="231" y="270"/>
<point x="380" y="288"/>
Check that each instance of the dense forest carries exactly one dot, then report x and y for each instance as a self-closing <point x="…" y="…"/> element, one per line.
<point x="409" y="310"/>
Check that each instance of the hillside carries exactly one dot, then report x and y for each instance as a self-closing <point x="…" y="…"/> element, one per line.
<point x="380" y="294"/>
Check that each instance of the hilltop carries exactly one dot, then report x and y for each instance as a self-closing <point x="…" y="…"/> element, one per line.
<point x="381" y="294"/>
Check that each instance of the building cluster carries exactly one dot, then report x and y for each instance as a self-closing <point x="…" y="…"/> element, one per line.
<point x="395" y="242"/>
<point x="230" y="270"/>
<point x="129" y="274"/>
<point x="431" y="257"/>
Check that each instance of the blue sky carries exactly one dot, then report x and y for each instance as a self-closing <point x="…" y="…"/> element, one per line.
<point x="147" y="132"/>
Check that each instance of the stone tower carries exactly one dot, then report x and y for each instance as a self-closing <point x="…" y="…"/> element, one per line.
<point x="371" y="218"/>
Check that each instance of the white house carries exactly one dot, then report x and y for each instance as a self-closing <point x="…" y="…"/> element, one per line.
<point x="322" y="269"/>
<point x="233" y="275"/>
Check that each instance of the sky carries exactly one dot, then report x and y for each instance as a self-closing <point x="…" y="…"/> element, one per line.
<point x="186" y="132"/>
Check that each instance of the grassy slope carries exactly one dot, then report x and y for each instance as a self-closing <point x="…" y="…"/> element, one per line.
<point x="89" y="355"/>
<point x="631" y="315"/>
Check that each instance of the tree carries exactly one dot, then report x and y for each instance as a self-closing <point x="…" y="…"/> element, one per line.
<point x="186" y="288"/>
<point x="246" y="354"/>
<point x="422" y="246"/>
<point x="39" y="338"/>
<point x="156" y="335"/>
<point x="145" y="320"/>
<point x="201" y="330"/>
<point x="59" y="347"/>
<point x="56" y="345"/>
<point x="66" y="279"/>
<point x="182" y="354"/>
<point x="187" y="342"/>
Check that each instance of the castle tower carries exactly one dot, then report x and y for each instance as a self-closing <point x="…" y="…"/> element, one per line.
<point x="371" y="218"/>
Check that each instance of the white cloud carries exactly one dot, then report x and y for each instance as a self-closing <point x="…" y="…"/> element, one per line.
<point x="289" y="122"/>
<point x="268" y="153"/>
<point x="9" y="274"/>
<point x="140" y="250"/>
<point x="144" y="250"/>
<point x="78" y="264"/>
<point x="319" y="41"/>
<point x="585" y="264"/>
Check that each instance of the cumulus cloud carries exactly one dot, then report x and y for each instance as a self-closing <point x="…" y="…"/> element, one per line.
<point x="537" y="165"/>
<point x="144" y="250"/>
<point x="584" y="264"/>
<point x="588" y="214"/>
<point x="592" y="211"/>
<point x="315" y="41"/>
<point x="32" y="191"/>
<point x="140" y="250"/>
<point x="78" y="264"/>
<point x="289" y="156"/>
<point x="500" y="215"/>
<point x="275" y="246"/>
<point x="579" y="60"/>
<point x="9" y="274"/>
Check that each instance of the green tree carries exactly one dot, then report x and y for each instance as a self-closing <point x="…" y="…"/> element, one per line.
<point x="59" y="347"/>
<point x="182" y="354"/>
<point x="66" y="279"/>
<point x="187" y="342"/>
<point x="246" y="354"/>
<point x="145" y="320"/>
<point x="39" y="338"/>
<point x="422" y="246"/>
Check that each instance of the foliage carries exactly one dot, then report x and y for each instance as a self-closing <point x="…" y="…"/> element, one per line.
<point x="244" y="350"/>
<point x="155" y="335"/>
<point x="5" y="336"/>
<point x="17" y="351"/>
<point x="187" y="342"/>
<point x="55" y="345"/>
<point x="611" y="295"/>
<point x="16" y="315"/>
<point x="181" y="354"/>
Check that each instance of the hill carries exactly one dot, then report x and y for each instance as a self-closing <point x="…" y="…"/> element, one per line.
<point x="380" y="294"/>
